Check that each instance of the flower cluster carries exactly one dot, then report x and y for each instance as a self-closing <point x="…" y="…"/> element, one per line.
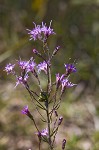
<point x="63" y="79"/>
<point x="40" y="32"/>
<point x="26" y="67"/>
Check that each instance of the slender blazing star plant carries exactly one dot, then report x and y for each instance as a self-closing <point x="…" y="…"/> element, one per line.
<point x="45" y="100"/>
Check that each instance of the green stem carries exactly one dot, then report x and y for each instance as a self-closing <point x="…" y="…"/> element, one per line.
<point x="35" y="124"/>
<point x="48" y="120"/>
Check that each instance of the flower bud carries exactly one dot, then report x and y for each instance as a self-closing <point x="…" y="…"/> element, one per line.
<point x="63" y="144"/>
<point x="56" y="50"/>
<point x="26" y="111"/>
<point x="60" y="120"/>
<point x="56" y="114"/>
<point x="35" y="51"/>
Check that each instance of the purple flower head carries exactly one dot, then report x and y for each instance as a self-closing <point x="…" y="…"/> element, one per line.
<point x="31" y="65"/>
<point x="40" y="31"/>
<point x="44" y="132"/>
<point x="66" y="84"/>
<point x="22" y="64"/>
<point x="27" y="65"/>
<point x="9" y="68"/>
<point x="42" y="66"/>
<point x="25" y="110"/>
<point x="47" y="31"/>
<point x="22" y="80"/>
<point x="35" y="33"/>
<point x="70" y="68"/>
<point x="59" y="79"/>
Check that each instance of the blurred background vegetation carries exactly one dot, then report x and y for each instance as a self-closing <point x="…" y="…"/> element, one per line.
<point x="76" y="23"/>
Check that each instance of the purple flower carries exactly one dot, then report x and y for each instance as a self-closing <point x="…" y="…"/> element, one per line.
<point x="25" y="110"/>
<point x="22" y="64"/>
<point x="9" y="68"/>
<point x="59" y="79"/>
<point x="22" y="80"/>
<point x="30" y="66"/>
<point x="40" y="31"/>
<point x="47" y="31"/>
<point x="66" y="84"/>
<point x="35" y="33"/>
<point x="42" y="66"/>
<point x="44" y="132"/>
<point x="70" y="68"/>
<point x="27" y="65"/>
